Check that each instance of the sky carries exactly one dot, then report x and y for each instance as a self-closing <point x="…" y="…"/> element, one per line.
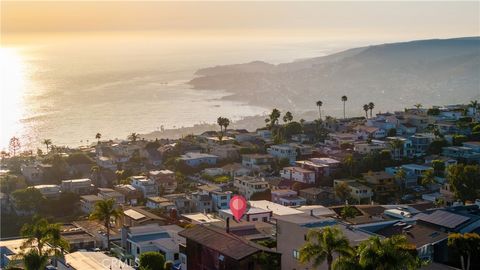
<point x="386" y="19"/>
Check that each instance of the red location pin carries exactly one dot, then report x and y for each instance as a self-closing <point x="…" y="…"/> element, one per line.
<point x="238" y="205"/>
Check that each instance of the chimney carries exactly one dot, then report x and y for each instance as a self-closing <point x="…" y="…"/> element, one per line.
<point x="311" y="212"/>
<point x="228" y="225"/>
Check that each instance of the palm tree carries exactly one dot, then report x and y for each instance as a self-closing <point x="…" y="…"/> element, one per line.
<point x="32" y="260"/>
<point x="39" y="233"/>
<point x="474" y="105"/>
<point x="226" y="123"/>
<point x="401" y="175"/>
<point x="349" y="161"/>
<point x="428" y="178"/>
<point x="365" y="108"/>
<point x="220" y="123"/>
<point x="47" y="143"/>
<point x="288" y="117"/>
<point x="389" y="253"/>
<point x="133" y="137"/>
<point x="371" y="105"/>
<point x="344" y="99"/>
<point x="272" y="119"/>
<point x="98" y="136"/>
<point x="104" y="212"/>
<point x="322" y="244"/>
<point x="397" y="146"/>
<point x="319" y="105"/>
<point x="466" y="245"/>
<point x="418" y="106"/>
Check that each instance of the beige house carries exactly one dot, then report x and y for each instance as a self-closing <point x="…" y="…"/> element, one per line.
<point x="248" y="185"/>
<point x="358" y="192"/>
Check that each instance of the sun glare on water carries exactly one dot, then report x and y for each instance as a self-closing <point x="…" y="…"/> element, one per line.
<point x="12" y="82"/>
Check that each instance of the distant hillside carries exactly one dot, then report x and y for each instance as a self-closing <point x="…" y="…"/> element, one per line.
<point x="393" y="76"/>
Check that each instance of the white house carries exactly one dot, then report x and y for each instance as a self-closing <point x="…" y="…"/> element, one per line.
<point x="248" y="185"/>
<point x="283" y="151"/>
<point x="298" y="174"/>
<point x="193" y="159"/>
<point x="146" y="185"/>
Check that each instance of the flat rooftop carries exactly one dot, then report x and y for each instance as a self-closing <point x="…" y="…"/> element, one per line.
<point x="81" y="260"/>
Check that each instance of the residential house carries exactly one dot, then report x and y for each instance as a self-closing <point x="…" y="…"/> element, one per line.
<point x="265" y="134"/>
<point x="226" y="151"/>
<point x="90" y="260"/>
<point x="383" y="185"/>
<point x="77" y="237"/>
<point x="147" y="186"/>
<point x="322" y="195"/>
<point x="252" y="214"/>
<point x="160" y="203"/>
<point x="201" y="218"/>
<point x="291" y="236"/>
<point x="366" y="132"/>
<point x="49" y="191"/>
<point x="298" y="174"/>
<point x="164" y="179"/>
<point x="131" y="194"/>
<point x="88" y="202"/>
<point x="193" y="159"/>
<point x="236" y="169"/>
<point x="34" y="173"/>
<point x="287" y="197"/>
<point x="248" y="185"/>
<point x="337" y="139"/>
<point x="183" y="204"/>
<point x="136" y="216"/>
<point x="462" y="153"/>
<point x="78" y="186"/>
<point x="414" y="172"/>
<point x="202" y="202"/>
<point x="108" y="193"/>
<point x="209" y="247"/>
<point x="368" y="148"/>
<point x="358" y="191"/>
<point x="283" y="151"/>
<point x="153" y="237"/>
<point x="421" y="142"/>
<point x="257" y="162"/>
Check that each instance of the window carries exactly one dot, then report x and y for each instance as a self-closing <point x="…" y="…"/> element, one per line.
<point x="296" y="254"/>
<point x="254" y="219"/>
<point x="175" y="256"/>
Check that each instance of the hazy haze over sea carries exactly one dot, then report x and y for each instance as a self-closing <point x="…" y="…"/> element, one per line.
<point x="69" y="87"/>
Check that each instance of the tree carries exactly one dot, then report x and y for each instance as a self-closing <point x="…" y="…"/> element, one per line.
<point x="474" y="105"/>
<point x="288" y="117"/>
<point x="371" y="105"/>
<point x="273" y="117"/>
<point x="28" y="200"/>
<point x="292" y="128"/>
<point x="220" y="123"/>
<point x="133" y="137"/>
<point x="467" y="245"/>
<point x="349" y="161"/>
<point x="322" y="244"/>
<point x="39" y="233"/>
<point x="168" y="265"/>
<point x="464" y="181"/>
<point x="342" y="191"/>
<point x="438" y="167"/>
<point x="105" y="211"/>
<point x="319" y="105"/>
<point x="436" y="146"/>
<point x="14" y="145"/>
<point x="418" y="106"/>
<point x="32" y="260"/>
<point x="428" y="178"/>
<point x="392" y="132"/>
<point x="348" y="211"/>
<point x="47" y="143"/>
<point x="98" y="136"/>
<point x="458" y="140"/>
<point x="397" y="146"/>
<point x="365" y="108"/>
<point x="152" y="260"/>
<point x="344" y="99"/>
<point x="390" y="253"/>
<point x="401" y="175"/>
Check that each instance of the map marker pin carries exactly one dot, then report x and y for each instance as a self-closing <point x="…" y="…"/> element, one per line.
<point x="238" y="205"/>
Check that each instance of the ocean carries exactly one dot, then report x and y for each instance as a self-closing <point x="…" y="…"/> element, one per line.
<point x="68" y="87"/>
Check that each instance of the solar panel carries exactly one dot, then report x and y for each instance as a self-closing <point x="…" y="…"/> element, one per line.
<point x="443" y="218"/>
